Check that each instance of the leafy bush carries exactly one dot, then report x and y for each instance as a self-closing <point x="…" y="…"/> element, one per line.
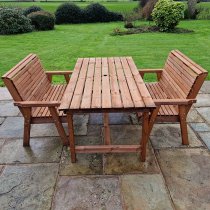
<point x="12" y="21"/>
<point x="42" y="20"/>
<point x="203" y="14"/>
<point x="98" y="13"/>
<point x="167" y="14"/>
<point x="68" y="13"/>
<point x="31" y="9"/>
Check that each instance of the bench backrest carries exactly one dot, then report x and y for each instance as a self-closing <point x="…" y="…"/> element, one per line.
<point x="182" y="78"/>
<point x="27" y="80"/>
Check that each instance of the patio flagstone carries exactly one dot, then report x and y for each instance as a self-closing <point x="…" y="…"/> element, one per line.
<point x="205" y="136"/>
<point x="128" y="162"/>
<point x="8" y="109"/>
<point x="4" y="94"/>
<point x="28" y="186"/>
<point x="88" y="193"/>
<point x="169" y="135"/>
<point x="205" y="113"/>
<point x="194" y="116"/>
<point x="145" y="192"/>
<point x="41" y="150"/>
<point x="114" y="118"/>
<point x="187" y="176"/>
<point x="13" y="128"/>
<point x="202" y="100"/>
<point x="1" y="120"/>
<point x="205" y="87"/>
<point x="199" y="127"/>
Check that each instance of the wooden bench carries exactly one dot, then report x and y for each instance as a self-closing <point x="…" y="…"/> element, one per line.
<point x="37" y="99"/>
<point x="178" y="85"/>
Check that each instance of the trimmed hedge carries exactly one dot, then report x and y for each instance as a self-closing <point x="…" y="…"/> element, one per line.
<point x="12" y="21"/>
<point x="71" y="13"/>
<point x="31" y="9"/>
<point x="42" y="20"/>
<point x="68" y="13"/>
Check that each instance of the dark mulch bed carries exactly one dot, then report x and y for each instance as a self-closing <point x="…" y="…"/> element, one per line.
<point x="146" y="29"/>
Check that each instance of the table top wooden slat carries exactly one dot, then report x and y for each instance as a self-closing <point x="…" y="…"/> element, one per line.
<point x="114" y="86"/>
<point x="96" y="97"/>
<point x="106" y="95"/>
<point x="103" y="84"/>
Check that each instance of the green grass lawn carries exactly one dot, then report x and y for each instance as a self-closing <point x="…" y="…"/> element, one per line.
<point x="59" y="49"/>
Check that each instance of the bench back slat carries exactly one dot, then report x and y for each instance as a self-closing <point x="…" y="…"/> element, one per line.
<point x="27" y="80"/>
<point x="182" y="76"/>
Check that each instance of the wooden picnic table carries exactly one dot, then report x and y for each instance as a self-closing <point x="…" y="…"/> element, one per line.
<point x="105" y="85"/>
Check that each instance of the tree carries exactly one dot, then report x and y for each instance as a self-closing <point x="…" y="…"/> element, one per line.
<point x="192" y="12"/>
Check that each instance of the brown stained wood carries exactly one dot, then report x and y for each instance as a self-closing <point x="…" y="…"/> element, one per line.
<point x="124" y="90"/>
<point x="106" y="93"/>
<point x="97" y="85"/>
<point x="134" y="91"/>
<point x="114" y="86"/>
<point x="87" y="93"/>
<point x="140" y="83"/>
<point x="71" y="137"/>
<point x="34" y="95"/>
<point x="67" y="97"/>
<point x="177" y="89"/>
<point x="78" y="92"/>
<point x="145" y="135"/>
<point x="107" y="138"/>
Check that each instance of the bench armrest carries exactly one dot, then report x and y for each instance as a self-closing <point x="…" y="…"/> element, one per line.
<point x="174" y="101"/>
<point x="158" y="72"/>
<point x="53" y="73"/>
<point x="59" y="72"/>
<point x="37" y="103"/>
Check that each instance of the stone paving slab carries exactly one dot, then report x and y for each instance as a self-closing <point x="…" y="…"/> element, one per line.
<point x="187" y="176"/>
<point x="114" y="118"/>
<point x="169" y="135"/>
<point x="41" y="150"/>
<point x="205" y="136"/>
<point x="202" y="100"/>
<point x="199" y="127"/>
<point x="8" y="109"/>
<point x="28" y="186"/>
<point x="128" y="162"/>
<point x="1" y="120"/>
<point x="205" y="113"/>
<point x="4" y="94"/>
<point x="87" y="193"/>
<point x="145" y="192"/>
<point x="193" y="116"/>
<point x="12" y="127"/>
<point x="205" y="87"/>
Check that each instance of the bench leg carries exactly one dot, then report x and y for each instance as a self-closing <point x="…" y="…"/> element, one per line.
<point x="106" y="129"/>
<point x="58" y="125"/>
<point x="183" y="124"/>
<point x="71" y="137"/>
<point x="27" y="127"/>
<point x="145" y="135"/>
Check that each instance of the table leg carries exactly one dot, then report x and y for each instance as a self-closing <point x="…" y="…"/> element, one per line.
<point x="145" y="135"/>
<point x="71" y="137"/>
<point x="106" y="129"/>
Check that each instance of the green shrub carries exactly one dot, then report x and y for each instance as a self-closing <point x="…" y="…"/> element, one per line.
<point x="98" y="13"/>
<point x="12" y="21"/>
<point x="31" y="9"/>
<point x="68" y="13"/>
<point x="167" y="14"/>
<point x="203" y="14"/>
<point x="42" y="20"/>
